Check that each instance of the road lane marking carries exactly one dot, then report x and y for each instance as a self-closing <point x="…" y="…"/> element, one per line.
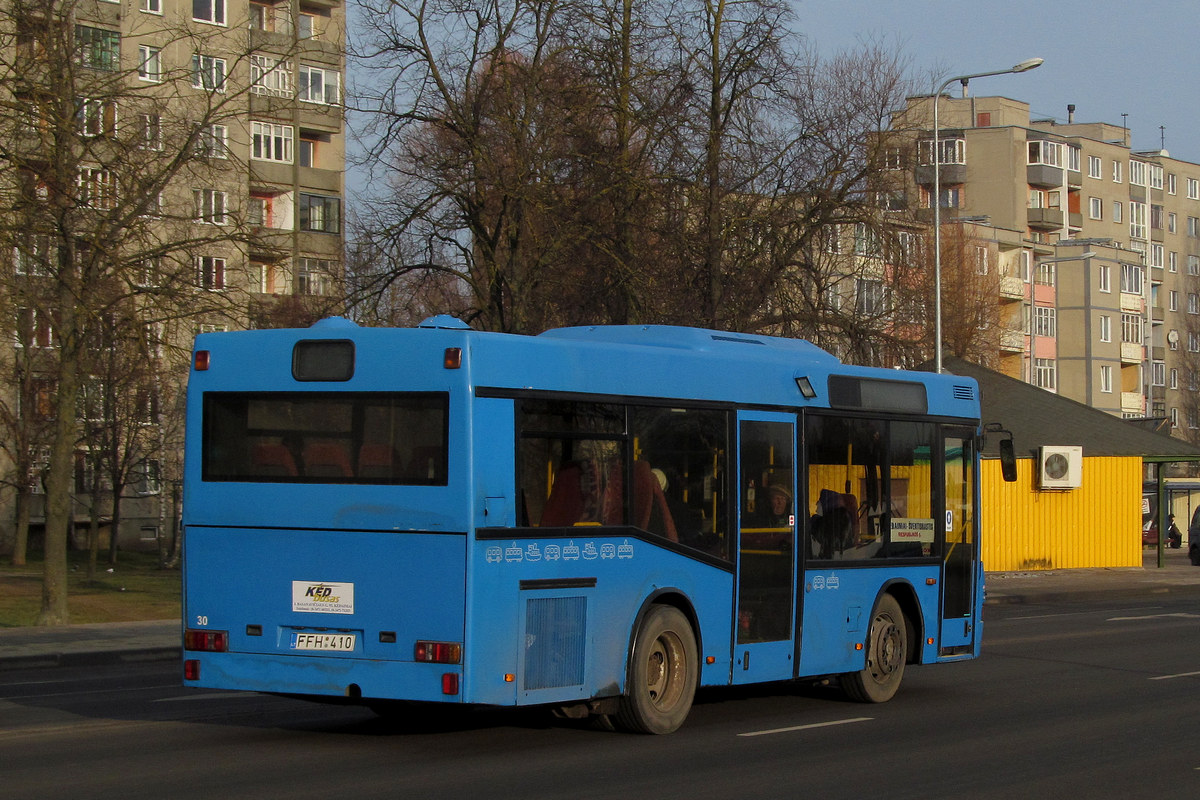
<point x="807" y="727"/>
<point x="1180" y="614"/>
<point x="1177" y="675"/>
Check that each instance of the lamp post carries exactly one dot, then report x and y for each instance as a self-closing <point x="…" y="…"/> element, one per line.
<point x="1024" y="66"/>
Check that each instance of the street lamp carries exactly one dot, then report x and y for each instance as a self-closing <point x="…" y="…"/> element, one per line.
<point x="1024" y="66"/>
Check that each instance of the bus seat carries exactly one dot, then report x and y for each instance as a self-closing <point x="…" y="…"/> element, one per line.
<point x="564" y="506"/>
<point x="327" y="460"/>
<point x="648" y="496"/>
<point x="376" y="461"/>
<point x="272" y="460"/>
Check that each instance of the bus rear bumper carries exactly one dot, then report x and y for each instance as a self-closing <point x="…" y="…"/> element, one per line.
<point x="325" y="677"/>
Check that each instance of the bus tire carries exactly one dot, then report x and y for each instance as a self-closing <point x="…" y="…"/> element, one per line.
<point x="663" y="673"/>
<point x="887" y="651"/>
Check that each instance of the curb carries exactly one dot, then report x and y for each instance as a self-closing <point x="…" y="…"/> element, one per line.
<point x="85" y="658"/>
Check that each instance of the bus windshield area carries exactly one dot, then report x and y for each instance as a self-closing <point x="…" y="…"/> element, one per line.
<point x="343" y="437"/>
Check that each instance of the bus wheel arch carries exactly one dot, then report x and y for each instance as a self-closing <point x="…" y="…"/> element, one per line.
<point x="663" y="668"/>
<point x="887" y="651"/>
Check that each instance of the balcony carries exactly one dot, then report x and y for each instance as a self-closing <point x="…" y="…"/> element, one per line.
<point x="952" y="174"/>
<point x="1044" y="176"/>
<point x="1012" y="342"/>
<point x="1012" y="287"/>
<point x="1046" y="219"/>
<point x="1131" y="353"/>
<point x="1133" y="403"/>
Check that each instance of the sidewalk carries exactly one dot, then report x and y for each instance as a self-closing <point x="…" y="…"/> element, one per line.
<point x="83" y="645"/>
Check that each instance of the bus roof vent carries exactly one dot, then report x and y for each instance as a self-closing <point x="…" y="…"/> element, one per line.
<point x="445" y="321"/>
<point x="334" y="322"/>
<point x="963" y="392"/>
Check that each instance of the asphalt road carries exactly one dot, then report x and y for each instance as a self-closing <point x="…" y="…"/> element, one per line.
<point x="1088" y="700"/>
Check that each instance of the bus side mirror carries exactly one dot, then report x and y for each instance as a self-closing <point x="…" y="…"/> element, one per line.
<point x="1008" y="460"/>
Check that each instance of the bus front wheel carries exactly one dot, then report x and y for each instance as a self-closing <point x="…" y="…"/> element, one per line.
<point x="662" y="674"/>
<point x="887" y="650"/>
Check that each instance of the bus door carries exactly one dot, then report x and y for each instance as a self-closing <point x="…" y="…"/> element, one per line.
<point x="961" y="546"/>
<point x="763" y="641"/>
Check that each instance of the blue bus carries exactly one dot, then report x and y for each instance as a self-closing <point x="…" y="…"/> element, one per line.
<point x="597" y="519"/>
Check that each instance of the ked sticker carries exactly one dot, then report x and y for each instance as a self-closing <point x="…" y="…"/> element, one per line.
<point x="321" y="597"/>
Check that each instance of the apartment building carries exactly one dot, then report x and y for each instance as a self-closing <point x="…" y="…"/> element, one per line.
<point x="1099" y="249"/>
<point x="205" y="141"/>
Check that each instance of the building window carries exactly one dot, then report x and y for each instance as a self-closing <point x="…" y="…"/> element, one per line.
<point x="1094" y="166"/>
<point x="308" y="150"/>
<point x="210" y="206"/>
<point x="1131" y="328"/>
<point x="208" y="73"/>
<point x="1172" y="183"/>
<point x="1105" y="328"/>
<point x="97" y="188"/>
<point x="1193" y="303"/>
<point x="1095" y="208"/>
<point x="1193" y="189"/>
<point x="1118" y="208"/>
<point x="1044" y="373"/>
<point x="319" y="85"/>
<point x="1158" y="373"/>
<point x="151" y="132"/>
<point x="1171" y="220"/>
<point x="270" y="76"/>
<point x="1137" y="220"/>
<point x="318" y="213"/>
<point x="866" y="240"/>
<point x="1174" y="378"/>
<point x="1155" y="172"/>
<point x="1044" y="276"/>
<point x="1193" y="267"/>
<point x="212" y="141"/>
<point x="953" y="151"/>
<point x="271" y="142"/>
<point x="151" y="6"/>
<point x="1156" y="255"/>
<point x="871" y="296"/>
<point x="146" y="479"/>
<point x="313" y="276"/>
<point x="1106" y="375"/>
<point x="1137" y="173"/>
<point x="1073" y="157"/>
<point x="97" y="48"/>
<point x="1193" y="227"/>
<point x="1044" y="152"/>
<point x="210" y="273"/>
<point x="1116" y="172"/>
<point x="209" y="11"/>
<point x="97" y="117"/>
<point x="1045" y="321"/>
<point x="1131" y="278"/>
<point x="1172" y="300"/>
<point x="149" y="64"/>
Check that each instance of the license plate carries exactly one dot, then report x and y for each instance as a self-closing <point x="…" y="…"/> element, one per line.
<point x="341" y="642"/>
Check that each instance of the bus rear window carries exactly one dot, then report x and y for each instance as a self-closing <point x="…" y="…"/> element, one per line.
<point x="326" y="437"/>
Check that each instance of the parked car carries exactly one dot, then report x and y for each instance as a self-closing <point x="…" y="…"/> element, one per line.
<point x="1150" y="534"/>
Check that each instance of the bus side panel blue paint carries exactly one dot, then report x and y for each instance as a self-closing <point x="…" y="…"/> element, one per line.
<point x="402" y="583"/>
<point x="625" y="571"/>
<point x="837" y="614"/>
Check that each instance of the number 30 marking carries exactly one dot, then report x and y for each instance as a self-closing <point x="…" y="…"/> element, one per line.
<point x="202" y="619"/>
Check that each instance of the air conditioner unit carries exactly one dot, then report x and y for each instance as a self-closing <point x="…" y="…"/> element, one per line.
<point x="1060" y="467"/>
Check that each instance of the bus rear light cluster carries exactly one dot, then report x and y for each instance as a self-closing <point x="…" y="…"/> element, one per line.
<point x="208" y="641"/>
<point x="438" y="652"/>
<point x="191" y="670"/>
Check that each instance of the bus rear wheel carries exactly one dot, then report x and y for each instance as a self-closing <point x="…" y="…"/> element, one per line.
<point x="662" y="674"/>
<point x="887" y="651"/>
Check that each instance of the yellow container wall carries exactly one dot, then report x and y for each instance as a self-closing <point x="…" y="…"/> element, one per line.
<point x="1096" y="525"/>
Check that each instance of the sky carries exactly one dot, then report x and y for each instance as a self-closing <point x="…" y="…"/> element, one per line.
<point x="1108" y="58"/>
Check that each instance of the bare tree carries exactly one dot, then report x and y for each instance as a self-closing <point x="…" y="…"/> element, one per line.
<point x="111" y="162"/>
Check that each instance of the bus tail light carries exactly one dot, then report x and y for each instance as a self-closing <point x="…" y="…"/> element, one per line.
<point x="209" y="641"/>
<point x="191" y="670"/>
<point x="201" y="360"/>
<point x="438" y="652"/>
<point x="452" y="359"/>
<point x="450" y="683"/>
